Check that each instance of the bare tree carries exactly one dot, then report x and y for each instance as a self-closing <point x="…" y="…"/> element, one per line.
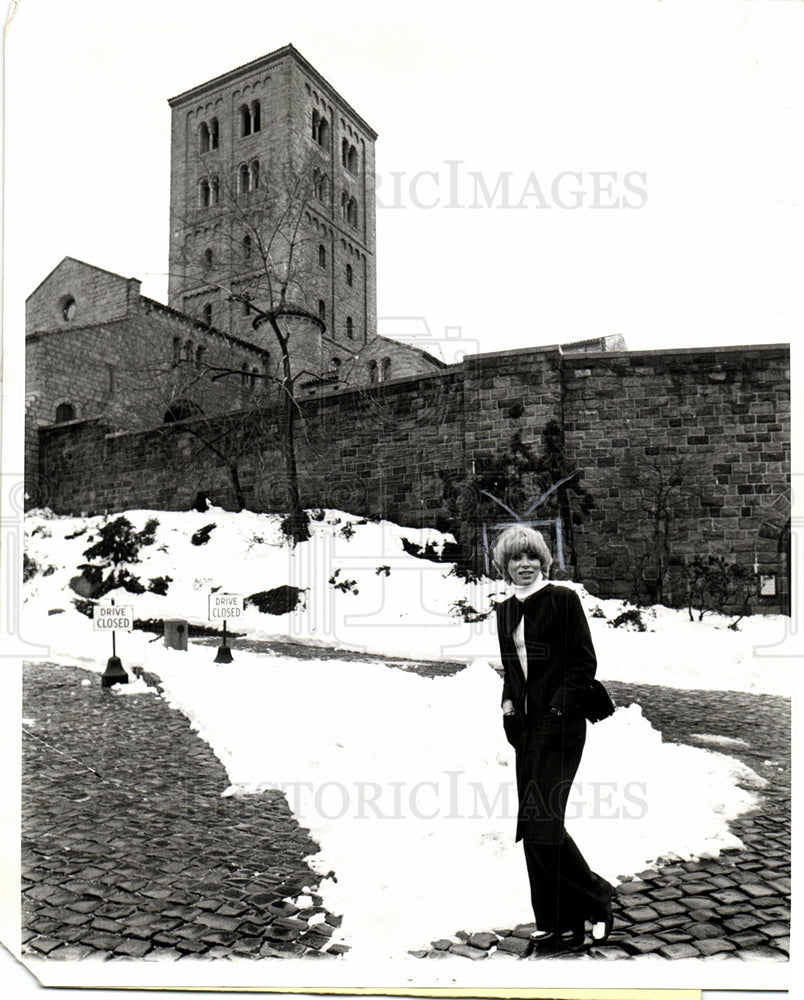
<point x="263" y="259"/>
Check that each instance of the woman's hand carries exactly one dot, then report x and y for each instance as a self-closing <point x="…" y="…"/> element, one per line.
<point x="514" y="729"/>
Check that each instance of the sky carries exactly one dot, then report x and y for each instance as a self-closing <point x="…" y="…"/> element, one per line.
<point x="546" y="174"/>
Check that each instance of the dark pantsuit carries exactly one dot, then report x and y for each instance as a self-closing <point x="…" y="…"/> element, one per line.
<point x="563" y="888"/>
<point x="548" y="730"/>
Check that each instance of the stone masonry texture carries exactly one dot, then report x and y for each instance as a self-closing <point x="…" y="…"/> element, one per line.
<point x="719" y="416"/>
<point x="128" y="848"/>
<point x="289" y="91"/>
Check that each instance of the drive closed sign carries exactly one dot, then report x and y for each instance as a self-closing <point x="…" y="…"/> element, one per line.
<point x="225" y="606"/>
<point x="113" y="618"/>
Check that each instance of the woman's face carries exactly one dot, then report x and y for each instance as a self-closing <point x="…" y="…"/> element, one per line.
<point x="524" y="568"/>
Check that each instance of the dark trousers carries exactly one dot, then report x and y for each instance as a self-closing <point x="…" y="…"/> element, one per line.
<point x="563" y="888"/>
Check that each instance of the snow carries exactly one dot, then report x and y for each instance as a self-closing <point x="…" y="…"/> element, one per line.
<point x="716" y="740"/>
<point x="406" y="782"/>
<point x="134" y="686"/>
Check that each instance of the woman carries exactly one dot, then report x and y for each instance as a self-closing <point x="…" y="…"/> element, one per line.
<point x="549" y="663"/>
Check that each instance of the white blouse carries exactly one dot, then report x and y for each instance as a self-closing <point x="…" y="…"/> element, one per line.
<point x="521" y="593"/>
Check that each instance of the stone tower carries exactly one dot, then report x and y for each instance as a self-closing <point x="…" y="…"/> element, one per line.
<point x="237" y="143"/>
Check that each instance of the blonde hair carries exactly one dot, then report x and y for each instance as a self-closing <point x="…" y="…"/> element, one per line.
<point x="516" y="540"/>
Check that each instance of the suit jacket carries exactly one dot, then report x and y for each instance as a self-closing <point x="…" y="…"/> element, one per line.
<point x="561" y="657"/>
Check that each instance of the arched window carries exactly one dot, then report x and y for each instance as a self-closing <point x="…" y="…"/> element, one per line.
<point x="372" y="367"/>
<point x="349" y="156"/>
<point x="322" y="310"/>
<point x="349" y="275"/>
<point x="322" y="256"/>
<point x="254" y="373"/>
<point x="345" y="204"/>
<point x="320" y="186"/>
<point x="243" y="179"/>
<point x="350" y="328"/>
<point x="188" y="351"/>
<point x="207" y="313"/>
<point x="255" y="116"/>
<point x="351" y="212"/>
<point x="246" y="246"/>
<point x="204" y="193"/>
<point x="320" y="129"/>
<point x="200" y="356"/>
<point x="204" y="137"/>
<point x="386" y="369"/>
<point x="64" y="412"/>
<point x="214" y="133"/>
<point x="215" y="191"/>
<point x="244" y="373"/>
<point x="68" y="308"/>
<point x="255" y="174"/>
<point x="245" y="120"/>
<point x="176" y="350"/>
<point x="208" y="258"/>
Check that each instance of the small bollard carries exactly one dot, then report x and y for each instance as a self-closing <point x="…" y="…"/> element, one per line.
<point x="224" y="654"/>
<point x="175" y="633"/>
<point x="114" y="673"/>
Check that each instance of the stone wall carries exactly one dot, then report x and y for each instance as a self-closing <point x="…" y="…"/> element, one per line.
<point x="97" y="296"/>
<point x="124" y="358"/>
<point x="719" y="421"/>
<point x="707" y="431"/>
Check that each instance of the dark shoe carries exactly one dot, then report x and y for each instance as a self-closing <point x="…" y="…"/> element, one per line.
<point x="550" y="944"/>
<point x="574" y="939"/>
<point x="555" y="943"/>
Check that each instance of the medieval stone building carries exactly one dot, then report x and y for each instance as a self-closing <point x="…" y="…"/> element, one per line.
<point x="273" y="140"/>
<point x="269" y="150"/>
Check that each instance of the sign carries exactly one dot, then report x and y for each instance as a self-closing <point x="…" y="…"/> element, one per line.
<point x="225" y="606"/>
<point x="113" y="618"/>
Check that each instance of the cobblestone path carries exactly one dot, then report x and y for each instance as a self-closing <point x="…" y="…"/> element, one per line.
<point x="738" y="905"/>
<point x="128" y="849"/>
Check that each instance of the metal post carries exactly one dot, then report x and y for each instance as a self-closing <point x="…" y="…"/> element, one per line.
<point x="224" y="654"/>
